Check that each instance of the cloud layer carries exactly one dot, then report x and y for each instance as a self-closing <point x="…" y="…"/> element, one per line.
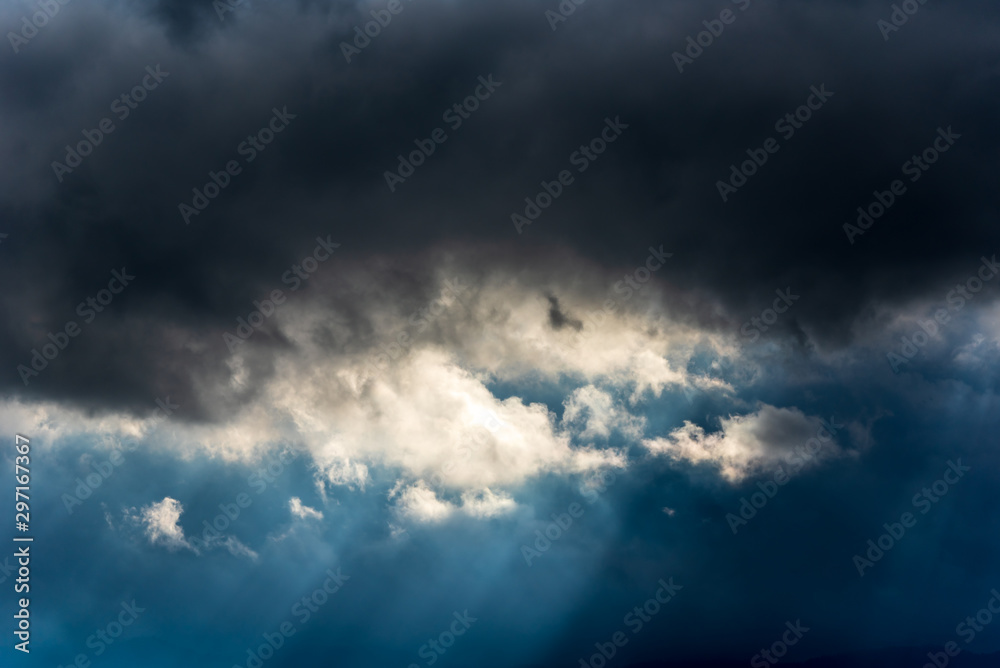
<point x="495" y="285"/>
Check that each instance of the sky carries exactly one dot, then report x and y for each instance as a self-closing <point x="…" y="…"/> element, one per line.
<point x="507" y="334"/>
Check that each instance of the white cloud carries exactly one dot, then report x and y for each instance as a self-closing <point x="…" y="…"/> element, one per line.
<point x="419" y="503"/>
<point x="745" y="444"/>
<point x="431" y="418"/>
<point x="342" y="470"/>
<point x="429" y="414"/>
<point x="161" y="523"/>
<point x="600" y="416"/>
<point x="486" y="504"/>
<point x="302" y="511"/>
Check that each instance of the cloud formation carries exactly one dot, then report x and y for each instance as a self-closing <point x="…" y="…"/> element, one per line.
<point x="746" y="444"/>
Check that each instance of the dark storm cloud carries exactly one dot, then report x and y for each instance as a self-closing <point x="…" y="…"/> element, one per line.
<point x="540" y="98"/>
<point x="324" y="173"/>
